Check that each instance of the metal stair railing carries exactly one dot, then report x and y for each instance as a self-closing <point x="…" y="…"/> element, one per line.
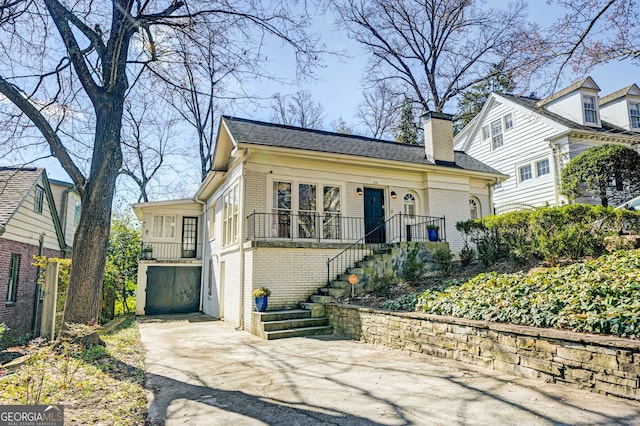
<point x="359" y="249"/>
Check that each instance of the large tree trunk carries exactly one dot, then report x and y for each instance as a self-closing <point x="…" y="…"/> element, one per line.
<point x="92" y="236"/>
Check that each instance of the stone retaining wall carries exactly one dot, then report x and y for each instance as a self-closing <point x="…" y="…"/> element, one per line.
<point x="603" y="364"/>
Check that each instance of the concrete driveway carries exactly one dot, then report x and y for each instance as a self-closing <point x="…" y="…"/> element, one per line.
<point x="203" y="372"/>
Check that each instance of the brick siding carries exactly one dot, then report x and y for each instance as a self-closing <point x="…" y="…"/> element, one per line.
<point x="18" y="316"/>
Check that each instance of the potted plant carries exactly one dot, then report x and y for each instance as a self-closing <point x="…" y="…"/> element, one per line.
<point x="261" y="297"/>
<point x="432" y="232"/>
<point x="147" y="252"/>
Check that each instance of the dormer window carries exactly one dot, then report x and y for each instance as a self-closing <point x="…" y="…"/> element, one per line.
<point x="589" y="106"/>
<point x="634" y="115"/>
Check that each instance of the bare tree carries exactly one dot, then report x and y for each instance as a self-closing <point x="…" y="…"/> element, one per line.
<point x="434" y="49"/>
<point x="298" y="109"/>
<point x="379" y="111"/>
<point x="591" y="32"/>
<point x="147" y="141"/>
<point x="69" y="65"/>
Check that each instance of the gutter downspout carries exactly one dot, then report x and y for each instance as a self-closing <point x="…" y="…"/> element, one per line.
<point x="203" y="244"/>
<point x="241" y="238"/>
<point x="555" y="154"/>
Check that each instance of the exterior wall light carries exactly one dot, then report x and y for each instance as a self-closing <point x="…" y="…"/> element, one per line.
<point x="359" y="191"/>
<point x="393" y="195"/>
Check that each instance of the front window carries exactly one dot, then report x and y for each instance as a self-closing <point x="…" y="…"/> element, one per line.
<point x="230" y="216"/>
<point x="331" y="209"/>
<point x="410" y="204"/>
<point x="486" y="132"/>
<point x="13" y="278"/>
<point x="76" y="213"/>
<point x="39" y="199"/>
<point x="212" y="222"/>
<point x="508" y="121"/>
<point x="164" y="227"/>
<point x="281" y="209"/>
<point x="634" y="114"/>
<point x="542" y="168"/>
<point x="307" y="210"/>
<point x="589" y="105"/>
<point x="474" y="208"/>
<point x="496" y="134"/>
<point x="525" y="173"/>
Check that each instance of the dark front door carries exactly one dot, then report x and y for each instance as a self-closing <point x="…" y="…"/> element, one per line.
<point x="374" y="215"/>
<point x="189" y="236"/>
<point x="172" y="289"/>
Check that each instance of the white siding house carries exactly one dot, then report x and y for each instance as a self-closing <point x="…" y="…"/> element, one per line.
<point x="532" y="139"/>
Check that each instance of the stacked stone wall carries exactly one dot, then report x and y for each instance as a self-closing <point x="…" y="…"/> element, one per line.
<point x="603" y="364"/>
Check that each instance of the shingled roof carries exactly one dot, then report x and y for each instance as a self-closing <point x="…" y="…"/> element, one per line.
<point x="277" y="135"/>
<point x="532" y="104"/>
<point x="15" y="185"/>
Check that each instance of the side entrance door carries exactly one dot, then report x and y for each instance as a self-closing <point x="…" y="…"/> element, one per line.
<point x="172" y="289"/>
<point x="374" y="215"/>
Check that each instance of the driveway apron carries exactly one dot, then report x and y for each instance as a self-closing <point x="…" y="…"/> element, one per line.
<point x="203" y="372"/>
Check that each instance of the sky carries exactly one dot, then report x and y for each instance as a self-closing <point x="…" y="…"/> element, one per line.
<point x="338" y="84"/>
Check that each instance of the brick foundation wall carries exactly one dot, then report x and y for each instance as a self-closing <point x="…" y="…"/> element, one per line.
<point x="603" y="364"/>
<point x="18" y="316"/>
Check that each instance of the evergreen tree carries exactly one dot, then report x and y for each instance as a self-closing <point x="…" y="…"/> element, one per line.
<point x="407" y="130"/>
<point x="475" y="97"/>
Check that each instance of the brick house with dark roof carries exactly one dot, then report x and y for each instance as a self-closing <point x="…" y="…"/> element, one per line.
<point x="29" y="226"/>
<point x="279" y="201"/>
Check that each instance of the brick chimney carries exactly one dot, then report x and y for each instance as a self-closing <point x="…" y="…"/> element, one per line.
<point x="438" y="136"/>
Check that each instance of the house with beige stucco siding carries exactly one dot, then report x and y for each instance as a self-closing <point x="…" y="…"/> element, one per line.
<point x="279" y="202"/>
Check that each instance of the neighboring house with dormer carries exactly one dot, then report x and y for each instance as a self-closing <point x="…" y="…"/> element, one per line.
<point x="280" y="201"/>
<point x="531" y="139"/>
<point x="29" y="226"/>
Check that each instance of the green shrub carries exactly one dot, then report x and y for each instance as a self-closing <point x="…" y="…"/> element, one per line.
<point x="599" y="296"/>
<point x="381" y="284"/>
<point x="443" y="259"/>
<point x="413" y="267"/>
<point x="406" y="302"/>
<point x="467" y="255"/>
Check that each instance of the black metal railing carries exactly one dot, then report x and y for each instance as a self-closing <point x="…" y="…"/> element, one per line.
<point x="168" y="251"/>
<point x="398" y="228"/>
<point x="303" y="226"/>
<point x="332" y="227"/>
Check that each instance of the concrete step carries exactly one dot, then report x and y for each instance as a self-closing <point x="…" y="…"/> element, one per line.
<point x="283" y="315"/>
<point x="317" y="309"/>
<point x="316" y="298"/>
<point x="294" y="323"/>
<point x="333" y="291"/>
<point x="298" y="332"/>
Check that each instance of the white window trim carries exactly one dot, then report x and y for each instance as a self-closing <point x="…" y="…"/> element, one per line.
<point x="519" y="174"/>
<point x="535" y="166"/>
<point x="595" y="110"/>
<point x="504" y="124"/>
<point x="637" y="104"/>
<point x="482" y="134"/>
<point x="493" y="145"/>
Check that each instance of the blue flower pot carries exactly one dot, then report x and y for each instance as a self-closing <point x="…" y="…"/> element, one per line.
<point x="432" y="234"/>
<point x="261" y="303"/>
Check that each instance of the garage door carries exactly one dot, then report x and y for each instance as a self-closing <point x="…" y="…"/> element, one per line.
<point x="173" y="289"/>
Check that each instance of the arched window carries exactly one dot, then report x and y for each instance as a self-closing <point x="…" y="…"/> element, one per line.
<point x="474" y="208"/>
<point x="410" y="204"/>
